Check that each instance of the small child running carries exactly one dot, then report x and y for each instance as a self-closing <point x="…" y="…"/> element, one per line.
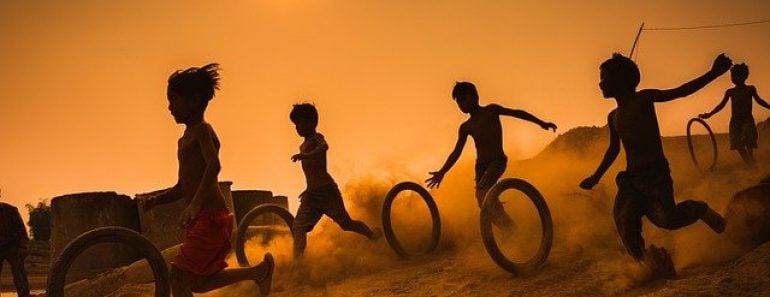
<point x="322" y="196"/>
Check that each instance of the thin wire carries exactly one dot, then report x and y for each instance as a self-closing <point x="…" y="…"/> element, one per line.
<point x="706" y="26"/>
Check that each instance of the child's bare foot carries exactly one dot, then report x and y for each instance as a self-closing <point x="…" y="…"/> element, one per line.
<point x="659" y="262"/>
<point x="267" y="278"/>
<point x="376" y="233"/>
<point x="714" y="220"/>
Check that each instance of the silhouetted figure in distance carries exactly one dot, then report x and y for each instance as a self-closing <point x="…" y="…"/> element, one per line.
<point x="14" y="246"/>
<point x="486" y="130"/>
<point x="322" y="196"/>
<point x="743" y="130"/>
<point x="646" y="188"/>
<point x="200" y="265"/>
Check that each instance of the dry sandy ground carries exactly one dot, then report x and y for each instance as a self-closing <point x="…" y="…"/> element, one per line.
<point x="442" y="274"/>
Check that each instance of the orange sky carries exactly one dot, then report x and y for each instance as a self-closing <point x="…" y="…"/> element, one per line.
<point x="82" y="86"/>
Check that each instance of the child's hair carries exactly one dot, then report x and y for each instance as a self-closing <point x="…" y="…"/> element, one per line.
<point x="194" y="81"/>
<point x="740" y="71"/>
<point x="465" y="89"/>
<point x="623" y="70"/>
<point x="305" y="111"/>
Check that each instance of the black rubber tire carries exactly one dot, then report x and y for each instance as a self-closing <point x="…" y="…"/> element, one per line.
<point x="57" y="276"/>
<point x="692" y="148"/>
<point x="243" y="226"/>
<point x="538" y="259"/>
<point x="387" y="225"/>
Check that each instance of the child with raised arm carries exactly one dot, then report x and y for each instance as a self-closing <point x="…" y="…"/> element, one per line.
<point x="322" y="196"/>
<point x="743" y="131"/>
<point x="200" y="265"/>
<point x="646" y="188"/>
<point x="486" y="130"/>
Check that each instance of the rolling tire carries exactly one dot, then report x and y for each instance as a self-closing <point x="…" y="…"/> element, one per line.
<point x="387" y="224"/>
<point x="243" y="226"/>
<point x="58" y="273"/>
<point x="538" y="259"/>
<point x="691" y="147"/>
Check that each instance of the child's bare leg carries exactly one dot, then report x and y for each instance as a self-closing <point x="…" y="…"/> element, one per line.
<point x="180" y="283"/>
<point x="300" y="242"/>
<point x="747" y="155"/>
<point x="183" y="284"/>
<point x="500" y="218"/>
<point x="230" y="276"/>
<point x="628" y="221"/>
<point x="684" y="214"/>
<point x="752" y="161"/>
<point x="358" y="227"/>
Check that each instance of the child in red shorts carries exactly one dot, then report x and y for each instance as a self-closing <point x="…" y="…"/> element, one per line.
<point x="200" y="266"/>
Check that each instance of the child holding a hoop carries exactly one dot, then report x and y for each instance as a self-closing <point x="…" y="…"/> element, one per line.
<point x="743" y="130"/>
<point x="646" y="188"/>
<point x="486" y="130"/>
<point x="200" y="265"/>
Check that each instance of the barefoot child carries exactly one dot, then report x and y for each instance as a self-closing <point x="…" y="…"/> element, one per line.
<point x="321" y="197"/>
<point x="200" y="266"/>
<point x="646" y="188"/>
<point x="743" y="131"/>
<point x="485" y="128"/>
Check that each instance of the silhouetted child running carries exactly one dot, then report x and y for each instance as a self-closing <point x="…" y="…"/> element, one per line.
<point x="200" y="265"/>
<point x="743" y="131"/>
<point x="322" y="196"/>
<point x="646" y="188"/>
<point x="485" y="128"/>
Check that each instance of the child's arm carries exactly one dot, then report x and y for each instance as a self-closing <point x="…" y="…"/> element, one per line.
<point x="720" y="66"/>
<point x="210" y="155"/>
<point x="437" y="176"/>
<point x="609" y="156"/>
<point x="320" y="148"/>
<point x="717" y="108"/>
<point x="520" y="114"/>
<point x="168" y="196"/>
<point x="759" y="100"/>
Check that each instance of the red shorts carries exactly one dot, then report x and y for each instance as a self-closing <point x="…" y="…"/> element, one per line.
<point x="206" y="243"/>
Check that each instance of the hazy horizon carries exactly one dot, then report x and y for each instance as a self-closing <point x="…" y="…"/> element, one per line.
<point x="82" y="91"/>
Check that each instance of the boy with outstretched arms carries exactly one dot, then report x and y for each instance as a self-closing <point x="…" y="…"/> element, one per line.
<point x="743" y="130"/>
<point x="646" y="188"/>
<point x="486" y="130"/>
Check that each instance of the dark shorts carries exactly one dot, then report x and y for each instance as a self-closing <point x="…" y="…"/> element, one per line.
<point x="206" y="243"/>
<point x="487" y="173"/>
<point x="314" y="203"/>
<point x="743" y="133"/>
<point x="650" y="192"/>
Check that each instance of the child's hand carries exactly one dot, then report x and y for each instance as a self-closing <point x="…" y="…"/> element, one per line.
<point x="721" y="64"/>
<point x="548" y="126"/>
<point x="704" y="116"/>
<point x="188" y="214"/>
<point x="589" y="182"/>
<point x="435" y="180"/>
<point x="296" y="157"/>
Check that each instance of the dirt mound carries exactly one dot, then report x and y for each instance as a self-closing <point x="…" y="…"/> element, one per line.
<point x="748" y="216"/>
